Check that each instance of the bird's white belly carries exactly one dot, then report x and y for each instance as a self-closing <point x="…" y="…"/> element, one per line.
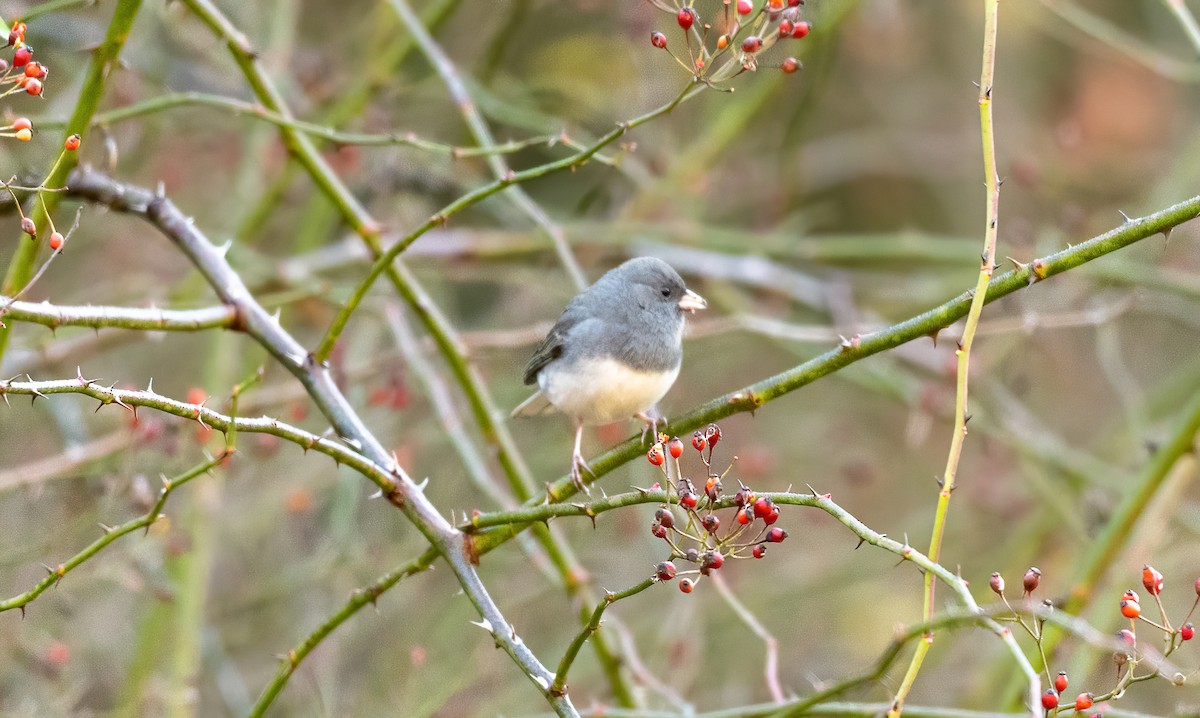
<point x="603" y="390"/>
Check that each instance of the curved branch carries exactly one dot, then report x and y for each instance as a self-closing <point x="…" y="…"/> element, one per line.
<point x="395" y="484"/>
<point x="130" y="399"/>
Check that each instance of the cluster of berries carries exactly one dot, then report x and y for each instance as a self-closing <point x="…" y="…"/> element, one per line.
<point x="698" y="538"/>
<point x="743" y="30"/>
<point x="23" y="73"/>
<point x="1130" y="607"/>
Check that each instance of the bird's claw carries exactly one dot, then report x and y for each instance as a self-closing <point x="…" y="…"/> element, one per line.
<point x="650" y="423"/>
<point x="577" y="464"/>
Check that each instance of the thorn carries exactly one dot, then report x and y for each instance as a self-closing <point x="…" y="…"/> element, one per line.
<point x="966" y="419"/>
<point x="1125" y="217"/>
<point x="421" y="486"/>
<point x="1166" y="233"/>
<point x="376" y="495"/>
<point x="940" y="482"/>
<point x="862" y="540"/>
<point x="105" y="528"/>
<point x="934" y="336"/>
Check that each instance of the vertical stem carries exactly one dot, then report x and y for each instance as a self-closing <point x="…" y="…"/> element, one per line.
<point x="961" y="416"/>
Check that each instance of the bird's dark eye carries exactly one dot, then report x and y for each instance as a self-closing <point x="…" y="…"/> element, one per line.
<point x="666" y="291"/>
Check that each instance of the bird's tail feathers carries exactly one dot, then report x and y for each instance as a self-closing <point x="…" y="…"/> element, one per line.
<point x="536" y="405"/>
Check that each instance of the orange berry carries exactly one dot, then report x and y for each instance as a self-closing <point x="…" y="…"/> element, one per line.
<point x="22" y="123"/>
<point x="655" y="455"/>
<point x="722" y="42"/>
<point x="72" y="142"/>
<point x="1083" y="701"/>
<point x="1130" y="609"/>
<point x="56" y="241"/>
<point x="33" y="86"/>
<point x="24" y="135"/>
<point x="1152" y="580"/>
<point x="790" y="65"/>
<point x="35" y="69"/>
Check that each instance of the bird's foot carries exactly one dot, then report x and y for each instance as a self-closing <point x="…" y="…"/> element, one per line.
<point x="650" y="423"/>
<point x="577" y="466"/>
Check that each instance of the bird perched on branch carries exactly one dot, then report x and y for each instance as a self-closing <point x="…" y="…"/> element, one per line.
<point x="614" y="352"/>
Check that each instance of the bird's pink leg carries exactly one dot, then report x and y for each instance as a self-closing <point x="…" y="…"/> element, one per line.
<point x="577" y="462"/>
<point x="650" y="421"/>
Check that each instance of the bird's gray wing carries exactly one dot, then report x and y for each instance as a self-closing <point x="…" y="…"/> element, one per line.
<point x="577" y="316"/>
<point x="545" y="352"/>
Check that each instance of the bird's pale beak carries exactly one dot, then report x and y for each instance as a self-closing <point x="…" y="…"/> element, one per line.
<point x="692" y="301"/>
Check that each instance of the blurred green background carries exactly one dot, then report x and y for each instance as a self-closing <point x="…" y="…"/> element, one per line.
<point x="837" y="200"/>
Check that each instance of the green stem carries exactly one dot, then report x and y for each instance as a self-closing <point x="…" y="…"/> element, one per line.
<point x="111" y="534"/>
<point x="104" y="60"/>
<point x="1186" y="20"/>
<point x="1103" y="550"/>
<point x="559" y="687"/>
<point x="963" y="353"/>
<point x="53" y="6"/>
<point x="483" y="136"/>
<point x="359" y="598"/>
<point x="298" y="143"/>
<point x="319" y="131"/>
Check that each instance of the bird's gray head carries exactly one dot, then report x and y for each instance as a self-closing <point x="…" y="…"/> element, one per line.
<point x="651" y="285"/>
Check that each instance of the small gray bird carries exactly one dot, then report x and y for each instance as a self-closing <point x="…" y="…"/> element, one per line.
<point x="614" y="352"/>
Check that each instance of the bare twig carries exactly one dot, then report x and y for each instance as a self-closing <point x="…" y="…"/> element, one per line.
<point x="149" y="319"/>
